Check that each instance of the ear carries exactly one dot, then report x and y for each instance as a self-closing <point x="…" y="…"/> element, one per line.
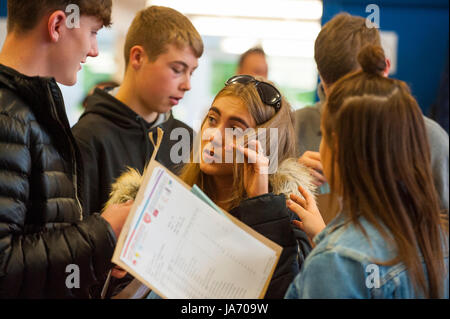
<point x="56" y="25"/>
<point x="388" y="67"/>
<point x="137" y="57"/>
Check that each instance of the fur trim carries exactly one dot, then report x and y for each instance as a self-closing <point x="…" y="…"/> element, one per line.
<point x="125" y="188"/>
<point x="289" y="176"/>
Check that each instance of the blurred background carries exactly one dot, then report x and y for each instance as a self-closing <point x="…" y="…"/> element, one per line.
<point x="415" y="35"/>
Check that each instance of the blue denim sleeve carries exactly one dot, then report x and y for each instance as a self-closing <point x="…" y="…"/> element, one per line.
<point x="152" y="295"/>
<point x="329" y="274"/>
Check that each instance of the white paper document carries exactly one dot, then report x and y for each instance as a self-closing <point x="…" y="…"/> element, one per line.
<point x="182" y="248"/>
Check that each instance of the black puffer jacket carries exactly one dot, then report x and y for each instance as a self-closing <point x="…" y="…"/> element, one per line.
<point x="42" y="227"/>
<point x="269" y="216"/>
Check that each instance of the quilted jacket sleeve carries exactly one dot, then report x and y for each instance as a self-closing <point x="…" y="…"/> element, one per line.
<point x="34" y="260"/>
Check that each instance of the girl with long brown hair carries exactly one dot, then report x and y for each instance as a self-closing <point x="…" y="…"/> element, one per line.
<point x="255" y="189"/>
<point x="390" y="240"/>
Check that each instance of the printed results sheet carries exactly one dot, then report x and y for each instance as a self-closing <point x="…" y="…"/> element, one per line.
<point x="183" y="248"/>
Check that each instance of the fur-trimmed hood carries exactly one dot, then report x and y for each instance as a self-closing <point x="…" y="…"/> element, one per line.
<point x="289" y="176"/>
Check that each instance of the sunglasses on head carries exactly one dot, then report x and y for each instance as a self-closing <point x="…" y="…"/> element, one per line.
<point x="267" y="92"/>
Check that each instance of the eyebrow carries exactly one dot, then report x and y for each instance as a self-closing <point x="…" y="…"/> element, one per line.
<point x="184" y="65"/>
<point x="232" y="118"/>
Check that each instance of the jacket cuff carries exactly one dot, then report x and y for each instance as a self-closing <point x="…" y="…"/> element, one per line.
<point x="103" y="241"/>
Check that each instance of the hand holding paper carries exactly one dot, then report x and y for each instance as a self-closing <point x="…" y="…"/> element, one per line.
<point x="180" y="247"/>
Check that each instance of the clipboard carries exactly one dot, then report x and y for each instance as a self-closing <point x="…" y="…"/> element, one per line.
<point x="148" y="172"/>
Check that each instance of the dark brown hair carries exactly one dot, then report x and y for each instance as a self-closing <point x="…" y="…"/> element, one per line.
<point x="24" y="15"/>
<point x="338" y="44"/>
<point x="379" y="145"/>
<point x="155" y="27"/>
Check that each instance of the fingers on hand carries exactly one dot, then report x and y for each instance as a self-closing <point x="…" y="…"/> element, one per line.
<point x="252" y="154"/>
<point x="312" y="160"/>
<point x="296" y="208"/>
<point x="298" y="200"/>
<point x="305" y="194"/>
<point x="119" y="274"/>
<point x="319" y="177"/>
<point x="313" y="155"/>
<point x="298" y="224"/>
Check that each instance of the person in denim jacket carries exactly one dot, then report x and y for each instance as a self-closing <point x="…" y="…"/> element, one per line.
<point x="390" y="240"/>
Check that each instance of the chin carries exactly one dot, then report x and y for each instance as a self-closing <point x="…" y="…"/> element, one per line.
<point x="213" y="169"/>
<point x="67" y="81"/>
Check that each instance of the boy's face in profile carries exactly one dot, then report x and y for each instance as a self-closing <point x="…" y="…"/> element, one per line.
<point x="161" y="84"/>
<point x="75" y="45"/>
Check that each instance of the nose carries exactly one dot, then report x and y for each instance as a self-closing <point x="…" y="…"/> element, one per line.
<point x="217" y="138"/>
<point x="213" y="136"/>
<point x="186" y="84"/>
<point x="93" y="52"/>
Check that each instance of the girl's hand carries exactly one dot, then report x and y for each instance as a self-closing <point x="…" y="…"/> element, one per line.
<point x="312" y="161"/>
<point x="306" y="209"/>
<point x="118" y="272"/>
<point x="256" y="168"/>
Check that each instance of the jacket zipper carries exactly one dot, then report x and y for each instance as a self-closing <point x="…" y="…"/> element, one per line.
<point x="74" y="162"/>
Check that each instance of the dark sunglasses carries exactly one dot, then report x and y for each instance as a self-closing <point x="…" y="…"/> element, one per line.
<point x="267" y="92"/>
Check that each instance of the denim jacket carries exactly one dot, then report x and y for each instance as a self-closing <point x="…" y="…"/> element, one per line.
<point x="343" y="265"/>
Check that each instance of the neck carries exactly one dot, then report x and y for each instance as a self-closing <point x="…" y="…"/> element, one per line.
<point x="127" y="95"/>
<point x="223" y="186"/>
<point x="19" y="53"/>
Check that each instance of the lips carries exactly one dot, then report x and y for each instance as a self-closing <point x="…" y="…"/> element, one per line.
<point x="209" y="155"/>
<point x="175" y="100"/>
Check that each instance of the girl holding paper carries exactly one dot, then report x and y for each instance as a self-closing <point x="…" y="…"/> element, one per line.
<point x="232" y="164"/>
<point x="244" y="161"/>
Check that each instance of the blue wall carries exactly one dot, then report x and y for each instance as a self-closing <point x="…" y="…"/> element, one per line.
<point x="3" y="8"/>
<point x="423" y="30"/>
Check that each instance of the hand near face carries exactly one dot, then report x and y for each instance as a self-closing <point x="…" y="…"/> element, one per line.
<point x="256" y="168"/>
<point x="313" y="162"/>
<point x="306" y="209"/>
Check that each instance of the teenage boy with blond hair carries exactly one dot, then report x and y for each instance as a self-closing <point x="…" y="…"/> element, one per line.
<point x="49" y="246"/>
<point x="336" y="50"/>
<point x="161" y="51"/>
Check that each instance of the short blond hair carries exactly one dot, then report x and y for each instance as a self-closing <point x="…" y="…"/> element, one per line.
<point x="155" y="27"/>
